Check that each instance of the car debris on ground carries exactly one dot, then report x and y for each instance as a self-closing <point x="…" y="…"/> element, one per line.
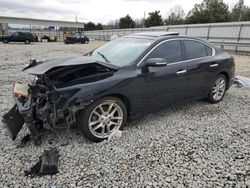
<point x="47" y="164"/>
<point x="115" y="134"/>
<point x="242" y="81"/>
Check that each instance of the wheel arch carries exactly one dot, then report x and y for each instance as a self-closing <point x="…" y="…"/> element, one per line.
<point x="123" y="98"/>
<point x="227" y="76"/>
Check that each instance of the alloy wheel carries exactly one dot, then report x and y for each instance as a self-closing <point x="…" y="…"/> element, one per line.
<point x="105" y="118"/>
<point x="219" y="88"/>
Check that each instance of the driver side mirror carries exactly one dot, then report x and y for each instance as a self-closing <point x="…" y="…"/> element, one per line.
<point x="154" y="62"/>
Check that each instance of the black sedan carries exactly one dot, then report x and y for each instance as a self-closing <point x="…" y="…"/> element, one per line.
<point x="124" y="78"/>
<point x="77" y="39"/>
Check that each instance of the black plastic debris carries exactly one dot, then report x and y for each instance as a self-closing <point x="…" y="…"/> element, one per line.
<point x="24" y="141"/>
<point x="14" y="122"/>
<point x="47" y="164"/>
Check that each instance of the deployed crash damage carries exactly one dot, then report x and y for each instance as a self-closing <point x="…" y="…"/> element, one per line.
<point x="123" y="79"/>
<point x="49" y="101"/>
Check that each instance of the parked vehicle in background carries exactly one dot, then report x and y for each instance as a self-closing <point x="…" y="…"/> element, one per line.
<point x="45" y="37"/>
<point x="126" y="77"/>
<point x="25" y="37"/>
<point x="77" y="39"/>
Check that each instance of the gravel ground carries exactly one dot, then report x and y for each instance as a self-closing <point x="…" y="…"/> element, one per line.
<point x="190" y="145"/>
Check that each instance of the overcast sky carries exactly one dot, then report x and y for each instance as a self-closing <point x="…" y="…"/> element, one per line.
<point x="92" y="10"/>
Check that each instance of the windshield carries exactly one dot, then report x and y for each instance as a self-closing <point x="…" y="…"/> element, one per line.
<point x="122" y="51"/>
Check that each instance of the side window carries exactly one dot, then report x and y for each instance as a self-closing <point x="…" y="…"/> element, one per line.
<point x="170" y="50"/>
<point x="15" y="34"/>
<point x="195" y="49"/>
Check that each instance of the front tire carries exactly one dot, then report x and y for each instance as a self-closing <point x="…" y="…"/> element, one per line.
<point x="5" y="41"/>
<point x="218" y="89"/>
<point x="101" y="118"/>
<point x="27" y="42"/>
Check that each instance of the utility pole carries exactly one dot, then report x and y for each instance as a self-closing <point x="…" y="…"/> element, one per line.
<point x="78" y="29"/>
<point x="241" y="5"/>
<point x="144" y="17"/>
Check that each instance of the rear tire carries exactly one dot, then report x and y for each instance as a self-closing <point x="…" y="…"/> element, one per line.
<point x="101" y="118"/>
<point x="218" y="89"/>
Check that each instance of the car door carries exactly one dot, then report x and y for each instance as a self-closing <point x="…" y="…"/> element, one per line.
<point x="82" y="40"/>
<point x="201" y="67"/>
<point x="14" y="37"/>
<point x="161" y="86"/>
<point x="20" y="37"/>
<point x="78" y="38"/>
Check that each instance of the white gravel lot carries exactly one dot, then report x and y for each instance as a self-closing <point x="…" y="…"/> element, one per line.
<point x="190" y="145"/>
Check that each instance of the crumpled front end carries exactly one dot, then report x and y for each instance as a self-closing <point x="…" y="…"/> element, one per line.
<point x="38" y="105"/>
<point x="52" y="100"/>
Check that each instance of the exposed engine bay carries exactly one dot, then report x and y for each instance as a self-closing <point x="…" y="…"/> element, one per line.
<point x="46" y="101"/>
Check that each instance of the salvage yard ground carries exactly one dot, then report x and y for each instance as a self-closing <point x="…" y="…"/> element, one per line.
<point x="190" y="145"/>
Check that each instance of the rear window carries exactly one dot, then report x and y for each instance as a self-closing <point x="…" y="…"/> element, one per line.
<point x="195" y="49"/>
<point x="26" y="34"/>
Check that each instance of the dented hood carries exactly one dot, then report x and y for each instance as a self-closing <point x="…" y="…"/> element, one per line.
<point x="40" y="68"/>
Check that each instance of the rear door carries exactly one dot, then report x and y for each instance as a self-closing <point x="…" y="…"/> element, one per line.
<point x="201" y="67"/>
<point x="82" y="38"/>
<point x="78" y="38"/>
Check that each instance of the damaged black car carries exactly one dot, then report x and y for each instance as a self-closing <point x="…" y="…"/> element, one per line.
<point x="124" y="78"/>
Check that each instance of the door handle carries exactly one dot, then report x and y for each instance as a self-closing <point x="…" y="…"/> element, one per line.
<point x="181" y="72"/>
<point x="214" y="65"/>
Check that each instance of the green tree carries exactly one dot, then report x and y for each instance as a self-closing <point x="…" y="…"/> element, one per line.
<point x="209" y="11"/>
<point x="126" y="22"/>
<point x="99" y="26"/>
<point x="154" y="19"/>
<point x="240" y="12"/>
<point x="89" y="26"/>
